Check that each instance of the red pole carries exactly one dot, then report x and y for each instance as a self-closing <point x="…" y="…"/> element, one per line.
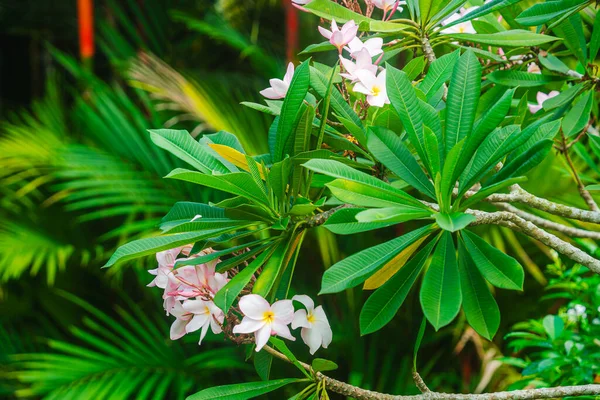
<point x="85" y="16"/>
<point x="291" y="30"/>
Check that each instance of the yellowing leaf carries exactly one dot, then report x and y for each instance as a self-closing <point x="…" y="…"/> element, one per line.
<point x="380" y="277"/>
<point x="235" y="157"/>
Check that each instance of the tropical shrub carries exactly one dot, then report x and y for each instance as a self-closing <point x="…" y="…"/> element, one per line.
<point x="437" y="147"/>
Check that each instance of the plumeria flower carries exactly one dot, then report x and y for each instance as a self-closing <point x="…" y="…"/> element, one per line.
<point x="463" y="27"/>
<point x="372" y="45"/>
<point x="193" y="315"/>
<point x="387" y="5"/>
<point x="340" y="37"/>
<point x="301" y="2"/>
<point x="541" y="97"/>
<point x="534" y="68"/>
<point x="316" y="331"/>
<point x="363" y="62"/>
<point x="279" y="87"/>
<point x="373" y="86"/>
<point x="166" y="260"/>
<point x="265" y="320"/>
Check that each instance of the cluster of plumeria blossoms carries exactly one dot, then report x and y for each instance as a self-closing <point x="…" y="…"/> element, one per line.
<point x="189" y="292"/>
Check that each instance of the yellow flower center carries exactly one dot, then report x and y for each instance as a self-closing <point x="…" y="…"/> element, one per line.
<point x="311" y="318"/>
<point x="268" y="317"/>
<point x="461" y="29"/>
<point x="376" y="90"/>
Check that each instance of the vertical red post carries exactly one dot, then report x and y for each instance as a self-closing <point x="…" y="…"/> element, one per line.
<point x="85" y="16"/>
<point x="291" y="30"/>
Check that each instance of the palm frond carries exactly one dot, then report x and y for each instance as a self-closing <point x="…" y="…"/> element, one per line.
<point x="116" y="357"/>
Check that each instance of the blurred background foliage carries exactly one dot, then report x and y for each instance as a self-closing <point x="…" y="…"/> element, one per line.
<point x="79" y="176"/>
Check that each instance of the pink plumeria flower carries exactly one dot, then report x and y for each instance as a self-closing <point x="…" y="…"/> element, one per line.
<point x="387" y="5"/>
<point x="541" y="97"/>
<point x="265" y="320"/>
<point x="533" y="68"/>
<point x="301" y="2"/>
<point x="166" y="260"/>
<point x="372" y="45"/>
<point x="373" y="86"/>
<point x="193" y="315"/>
<point x="363" y="62"/>
<point x="316" y="331"/>
<point x="340" y="37"/>
<point x="279" y="87"/>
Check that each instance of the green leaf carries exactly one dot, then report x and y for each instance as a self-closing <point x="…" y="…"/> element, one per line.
<point x="143" y="247"/>
<point x="453" y="222"/>
<point x="343" y="222"/>
<point x="571" y="30"/>
<point x="480" y="307"/>
<point x="595" y="40"/>
<point x="181" y="144"/>
<point x="563" y="98"/>
<point x="225" y="297"/>
<point x="593" y="187"/>
<point x="290" y="108"/>
<point x="553" y="64"/>
<point x="321" y="365"/>
<point x="491" y="119"/>
<point x="513" y="78"/>
<point x="392" y="214"/>
<point x="543" y="131"/>
<point x="238" y="183"/>
<point x="439" y="72"/>
<point x="241" y="391"/>
<point x="317" y="48"/>
<point x="440" y="293"/>
<point x="485" y="9"/>
<point x="282" y="347"/>
<point x="338" y="170"/>
<point x="463" y="96"/>
<point x="404" y="100"/>
<point x="356" y="268"/>
<point x="384" y="303"/>
<point x="418" y="341"/>
<point x="279" y="176"/>
<point x="554" y="326"/>
<point x="523" y="163"/>
<point x="541" y="13"/>
<point x="272" y="268"/>
<point x="432" y="149"/>
<point x="389" y="149"/>
<point x="262" y="364"/>
<point x="448" y="177"/>
<point x="498" y="268"/>
<point x="578" y="117"/>
<point x="363" y="195"/>
<point x="414" y="67"/>
<point x="511" y="38"/>
<point x="485" y="192"/>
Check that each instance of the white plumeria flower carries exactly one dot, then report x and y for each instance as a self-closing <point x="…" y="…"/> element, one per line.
<point x="301" y="2"/>
<point x="541" y="97"/>
<point x="279" y="87"/>
<point x="316" y="331"/>
<point x="363" y="62"/>
<point x="265" y="320"/>
<point x="373" y="86"/>
<point x="372" y="45"/>
<point x="463" y="27"/>
<point x="533" y="68"/>
<point x="387" y="5"/>
<point x="193" y="315"/>
<point x="340" y="37"/>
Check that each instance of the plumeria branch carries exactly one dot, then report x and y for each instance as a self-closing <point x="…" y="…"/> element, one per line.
<point x="358" y="393"/>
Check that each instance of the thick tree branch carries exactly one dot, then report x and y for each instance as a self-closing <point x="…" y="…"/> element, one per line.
<point x="346" y="389"/>
<point x="519" y="195"/>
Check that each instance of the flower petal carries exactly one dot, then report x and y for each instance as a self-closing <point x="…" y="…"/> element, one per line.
<point x="270" y="93"/>
<point x="305" y="300"/>
<point x="312" y="338"/>
<point x="283" y="310"/>
<point x="282" y="331"/>
<point x="254" y="306"/>
<point x="300" y="320"/>
<point x="197" y="322"/>
<point x="178" y="329"/>
<point x="248" y="325"/>
<point x="262" y="336"/>
<point x="203" y="333"/>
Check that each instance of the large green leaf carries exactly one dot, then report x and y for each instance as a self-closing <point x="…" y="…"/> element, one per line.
<point x="511" y="38"/>
<point x="578" y="117"/>
<point x="439" y="72"/>
<point x="463" y="96"/>
<point x="485" y="9"/>
<point x="362" y="195"/>
<point x="290" y="108"/>
<point x="595" y="40"/>
<point x="343" y="222"/>
<point x="388" y="148"/>
<point x="541" y="13"/>
<point x="143" y="247"/>
<point x="453" y="222"/>
<point x="384" y="303"/>
<point x="241" y="391"/>
<point x="521" y="78"/>
<point x="571" y="31"/>
<point x="563" y="98"/>
<point x="341" y="171"/>
<point x="392" y="214"/>
<point x="523" y="163"/>
<point x="494" y="188"/>
<point x="440" y="293"/>
<point x="404" y="100"/>
<point x="480" y="307"/>
<point x="355" y="269"/>
<point x="272" y="269"/>
<point x="183" y="146"/>
<point x="238" y="183"/>
<point x="498" y="268"/>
